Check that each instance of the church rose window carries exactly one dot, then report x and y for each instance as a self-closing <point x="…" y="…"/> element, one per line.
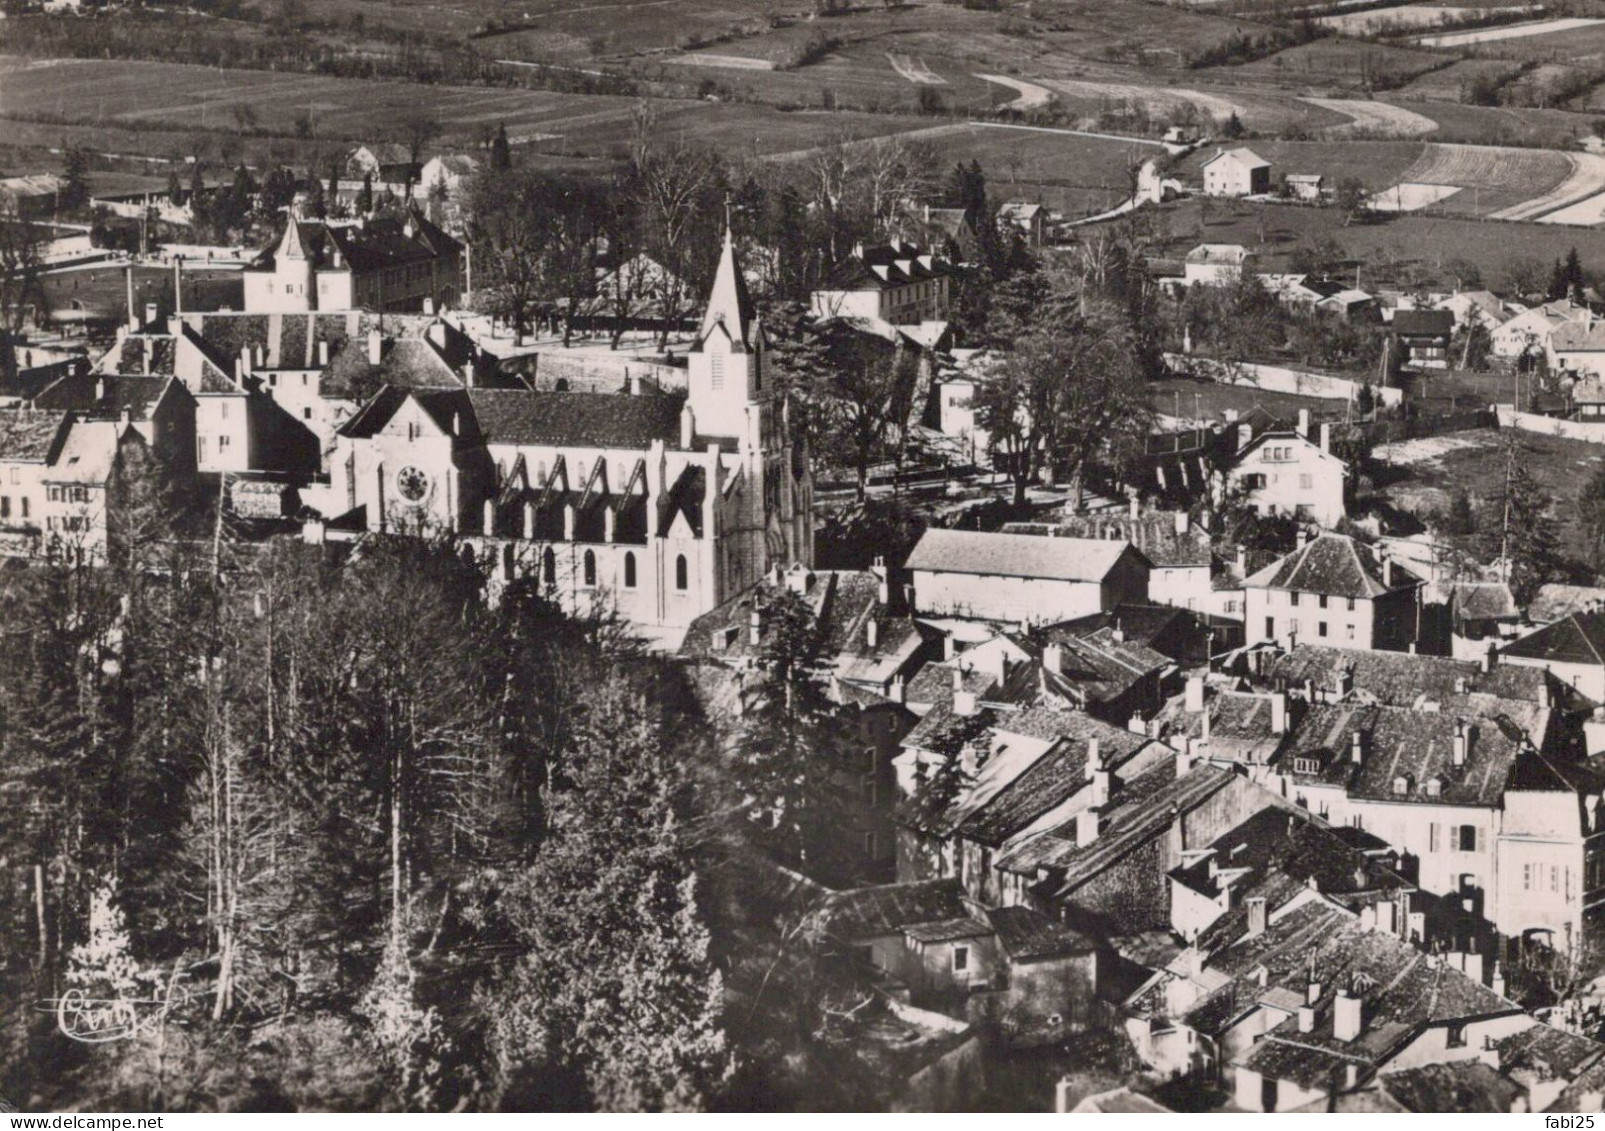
<point x="412" y="483"/>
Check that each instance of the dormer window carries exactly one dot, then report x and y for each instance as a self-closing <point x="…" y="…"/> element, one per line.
<point x="1401" y="785"/>
<point x="1434" y="787"/>
<point x="1304" y="764"/>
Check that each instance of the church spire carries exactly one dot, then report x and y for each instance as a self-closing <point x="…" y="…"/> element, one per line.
<point x="728" y="302"/>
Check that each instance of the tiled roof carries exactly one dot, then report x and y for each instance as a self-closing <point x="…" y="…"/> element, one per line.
<point x="1578" y="336"/>
<point x="1424" y="323"/>
<point x="86" y="455"/>
<point x="601" y="420"/>
<point x="947" y="930"/>
<point x="1049" y="781"/>
<point x="1403" y="747"/>
<point x="1015" y="555"/>
<point x="106" y="397"/>
<point x="1335" y="565"/>
<point x="1231" y="254"/>
<point x="1483" y="600"/>
<point x="1027" y="935"/>
<point x="1547" y="1053"/>
<point x="29" y="383"/>
<point x="30" y="435"/>
<point x="384" y="241"/>
<point x="1400" y="679"/>
<point x="1457" y="1086"/>
<point x="868" y="913"/>
<point x="1577" y="639"/>
<point x="406" y="363"/>
<point x="1242" y="155"/>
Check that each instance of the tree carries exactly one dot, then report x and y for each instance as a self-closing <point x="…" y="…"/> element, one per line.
<point x="501" y="152"/>
<point x="1069" y="396"/>
<point x="20" y="295"/>
<point x="1351" y="199"/>
<point x="1566" y="280"/>
<point x="1472" y="344"/>
<point x="614" y="1003"/>
<point x="1591" y="513"/>
<point x="415" y="128"/>
<point x="1524" y="275"/>
<point x="861" y="396"/>
<point x="75" y="190"/>
<point x="1233" y="128"/>
<point x="679" y="189"/>
<point x="1518" y="528"/>
<point x="365" y="196"/>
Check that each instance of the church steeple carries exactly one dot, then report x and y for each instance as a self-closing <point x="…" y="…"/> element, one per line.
<point x="728" y="303"/>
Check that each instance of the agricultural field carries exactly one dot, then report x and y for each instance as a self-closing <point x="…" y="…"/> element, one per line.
<point x="1335" y="64"/>
<point x="1388" y="250"/>
<point x="1478" y="37"/>
<point x="1454" y="82"/>
<point x="1499" y="182"/>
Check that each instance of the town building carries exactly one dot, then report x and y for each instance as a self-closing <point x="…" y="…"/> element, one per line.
<point x="1571" y="649"/>
<point x="1283" y="472"/>
<point x="1529" y="331"/>
<point x="387" y="263"/>
<point x="897" y="282"/>
<point x="1423" y="337"/>
<point x="1023" y="578"/>
<point x="1334" y="590"/>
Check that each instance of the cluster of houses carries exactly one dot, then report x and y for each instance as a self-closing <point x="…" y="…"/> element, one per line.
<point x="1308" y="865"/>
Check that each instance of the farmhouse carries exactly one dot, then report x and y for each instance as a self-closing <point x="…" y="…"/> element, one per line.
<point x="1022" y="578"/>
<point x="388" y="163"/>
<point x="1529" y="331"/>
<point x="1025" y="217"/>
<point x="1237" y="172"/>
<point x="448" y="173"/>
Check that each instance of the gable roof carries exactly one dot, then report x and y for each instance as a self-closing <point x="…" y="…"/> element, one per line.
<point x="1576" y="639"/>
<point x="1155" y="533"/>
<point x="31" y="435"/>
<point x="1016" y="555"/>
<point x="1335" y="565"/>
<point x="1426" y="323"/>
<point x="1027" y="935"/>
<point x="862" y="914"/>
<point x="1242" y="156"/>
<point x="1400" y="679"/>
<point x="599" y="420"/>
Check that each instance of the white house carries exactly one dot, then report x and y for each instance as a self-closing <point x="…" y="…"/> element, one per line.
<point x="1215" y="264"/>
<point x="1237" y="172"/>
<point x="1333" y="590"/>
<point x="1284" y="473"/>
<point x="896" y="282"/>
<point x="1579" y="346"/>
<point x="1023" y="578"/>
<point x="449" y="172"/>
<point x="1530" y="330"/>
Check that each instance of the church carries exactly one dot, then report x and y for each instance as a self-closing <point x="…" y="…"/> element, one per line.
<point x="657" y="505"/>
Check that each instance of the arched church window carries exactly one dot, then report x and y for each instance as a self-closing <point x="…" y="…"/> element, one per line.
<point x="590" y="568"/>
<point x="549" y="567"/>
<point x="629" y="570"/>
<point x="682" y="578"/>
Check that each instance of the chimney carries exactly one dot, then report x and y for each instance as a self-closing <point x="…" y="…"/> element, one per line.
<point x="948" y="648"/>
<point x="883" y="584"/>
<point x="1194" y="701"/>
<point x="323" y="352"/>
<point x="1543" y="693"/>
<point x="1306" y="1019"/>
<point x="178" y="284"/>
<point x="1357" y="748"/>
<point x="899" y="690"/>
<point x="872" y="634"/>
<point x="133" y="315"/>
<point x="245" y="361"/>
<point x="1497" y="982"/>
<point x="1309" y="691"/>
<point x="1184" y="757"/>
<point x="1245" y="436"/>
<point x="376" y="347"/>
<point x="1346" y="1016"/>
<point x="755" y="628"/>
<point x="963" y="701"/>
<point x="635" y="384"/>
<point x="100" y="388"/>
<point x="1326" y="437"/>
<point x="1256" y="916"/>
<point x="1231" y="416"/>
<point x="1137" y="725"/>
<point x="1473" y="966"/>
<point x="1279" y="712"/>
<point x="1488" y="658"/>
<point x="1086" y="827"/>
<point x="1461" y="741"/>
<point x="1053" y="658"/>
<point x="1183" y="523"/>
<point x="1304" y="422"/>
<point x="1387" y="572"/>
<point x="1312" y="992"/>
<point x="1094" y="757"/>
<point x="1242" y="561"/>
<point x="1136" y="506"/>
<point x="1345" y="682"/>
